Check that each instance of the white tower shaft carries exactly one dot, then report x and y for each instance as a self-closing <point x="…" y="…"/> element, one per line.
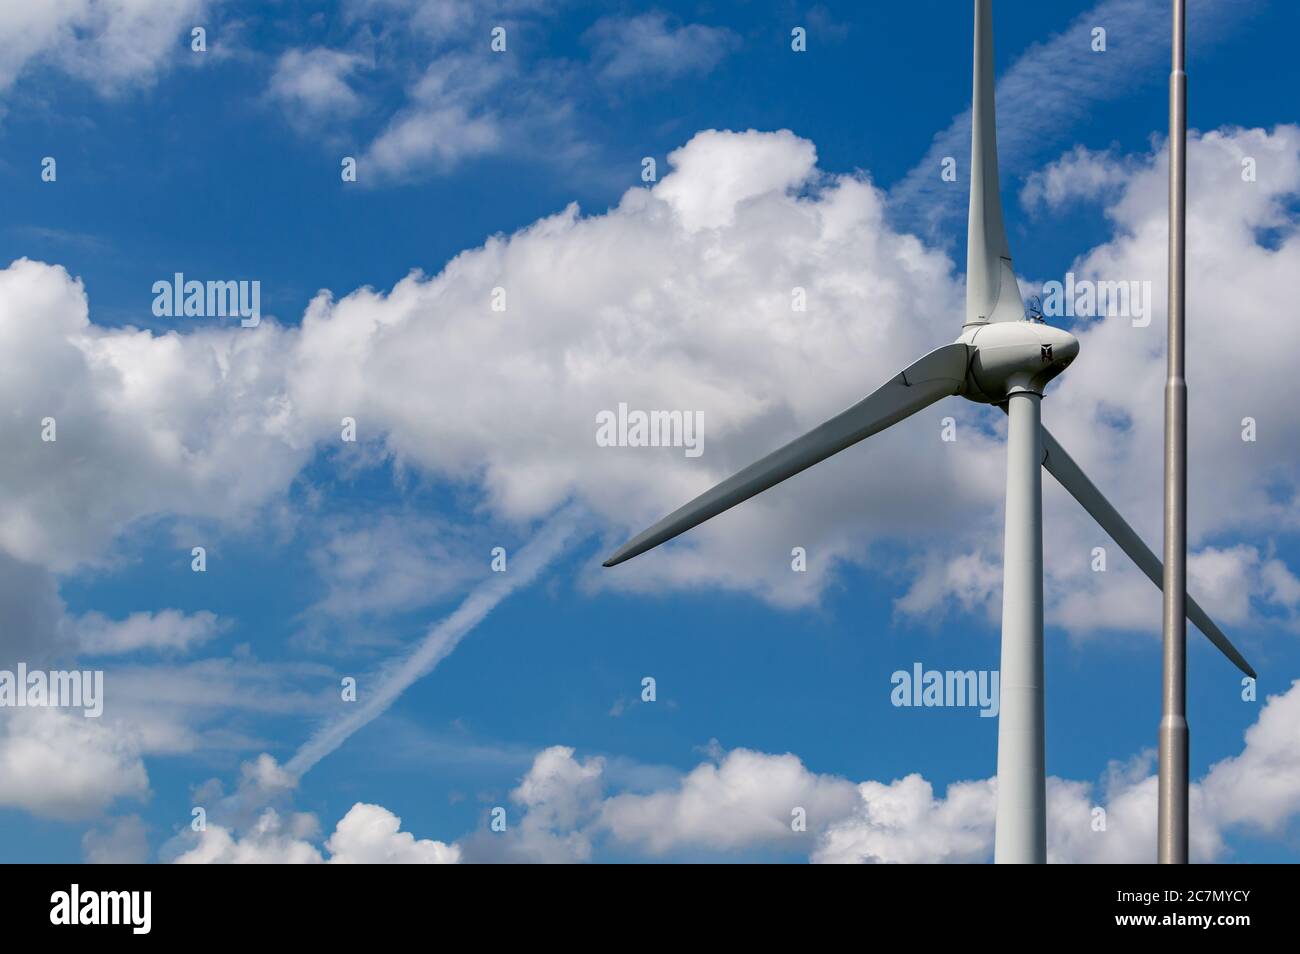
<point x="1021" y="833"/>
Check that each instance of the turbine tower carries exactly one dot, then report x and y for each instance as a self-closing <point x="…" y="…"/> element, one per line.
<point x="1004" y="359"/>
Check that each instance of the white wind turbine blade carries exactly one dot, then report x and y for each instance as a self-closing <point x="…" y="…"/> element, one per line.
<point x="1069" y="475"/>
<point x="940" y="373"/>
<point x="991" y="290"/>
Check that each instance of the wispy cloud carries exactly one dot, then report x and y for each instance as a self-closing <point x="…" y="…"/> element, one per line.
<point x="312" y="85"/>
<point x="650" y="46"/>
<point x="166" y="630"/>
<point x="1049" y="92"/>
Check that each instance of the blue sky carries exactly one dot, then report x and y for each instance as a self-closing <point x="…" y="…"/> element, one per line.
<point x="329" y="559"/>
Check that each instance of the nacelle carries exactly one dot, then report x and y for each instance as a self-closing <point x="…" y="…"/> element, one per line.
<point x="1010" y="356"/>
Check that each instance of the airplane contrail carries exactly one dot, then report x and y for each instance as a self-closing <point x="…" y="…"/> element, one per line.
<point x="382" y="690"/>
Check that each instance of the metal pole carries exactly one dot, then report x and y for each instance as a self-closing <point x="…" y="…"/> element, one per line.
<point x="1172" y="834"/>
<point x="1020" y="835"/>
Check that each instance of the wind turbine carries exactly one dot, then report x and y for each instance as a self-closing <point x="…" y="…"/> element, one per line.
<point x="1000" y="358"/>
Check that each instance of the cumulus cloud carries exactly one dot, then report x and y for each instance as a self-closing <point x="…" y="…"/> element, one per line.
<point x="372" y="835"/>
<point x="272" y="839"/>
<point x="367" y="834"/>
<point x="716" y="172"/>
<point x="720" y="243"/>
<point x="194" y="424"/>
<point x="1081" y="174"/>
<point x="56" y="763"/>
<point x="742" y="801"/>
<point x="903" y="823"/>
<point x="1112" y="822"/>
<point x="679" y="297"/>
<point x="745" y="801"/>
<point x="1108" y="409"/>
<point x="558" y="798"/>
<point x="1260" y="788"/>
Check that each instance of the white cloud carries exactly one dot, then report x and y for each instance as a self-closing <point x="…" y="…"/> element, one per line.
<point x="1257" y="790"/>
<point x="648" y="45"/>
<point x="312" y="84"/>
<point x="558" y="799"/>
<point x="56" y="763"/>
<point x="466" y="101"/>
<point x="266" y="777"/>
<point x="109" y="43"/>
<point x="743" y="803"/>
<point x="161" y="630"/>
<point x="124" y="842"/>
<point x="192" y="425"/>
<point x="372" y="835"/>
<point x="1260" y="788"/>
<point x="367" y="834"/>
<point x="903" y="823"/>
<point x="390" y="563"/>
<point x="271" y="840"/>
<point x="1230" y="376"/>
<point x="973" y="581"/>
<point x="449" y="118"/>
<point x="1080" y="174"/>
<point x="1108" y="409"/>
<point x="717" y="171"/>
<point x="678" y="297"/>
<point x="1238" y="586"/>
<point x="212" y="704"/>
<point x="205" y="425"/>
<point x="682" y="300"/>
<point x="748" y="799"/>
